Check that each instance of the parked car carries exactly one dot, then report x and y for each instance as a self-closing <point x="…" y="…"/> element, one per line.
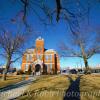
<point x="73" y="71"/>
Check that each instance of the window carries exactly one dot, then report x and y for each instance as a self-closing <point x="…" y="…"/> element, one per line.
<point x="39" y="49"/>
<point x="28" y="57"/>
<point x="39" y="57"/>
<point x="50" y="57"/>
<point x="26" y="67"/>
<point x="50" y="66"/>
<point x="36" y="49"/>
<point x="46" y="57"/>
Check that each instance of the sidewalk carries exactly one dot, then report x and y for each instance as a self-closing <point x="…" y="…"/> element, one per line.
<point x="15" y="90"/>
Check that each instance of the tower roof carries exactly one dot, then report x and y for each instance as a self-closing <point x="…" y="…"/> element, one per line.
<point x="39" y="38"/>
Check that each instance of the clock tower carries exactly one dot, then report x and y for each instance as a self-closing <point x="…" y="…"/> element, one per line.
<point x="39" y="48"/>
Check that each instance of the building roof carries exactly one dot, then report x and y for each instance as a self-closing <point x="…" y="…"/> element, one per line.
<point x="29" y="50"/>
<point x="50" y="50"/>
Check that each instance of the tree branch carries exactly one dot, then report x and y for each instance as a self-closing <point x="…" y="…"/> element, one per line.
<point x="25" y="2"/>
<point x="93" y="51"/>
<point x="58" y="3"/>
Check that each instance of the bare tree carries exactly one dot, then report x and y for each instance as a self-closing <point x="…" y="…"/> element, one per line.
<point x="71" y="11"/>
<point x="59" y="10"/>
<point x="11" y="46"/>
<point x="47" y="11"/>
<point x="83" y="45"/>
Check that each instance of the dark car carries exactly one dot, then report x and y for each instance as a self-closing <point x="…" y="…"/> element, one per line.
<point x="73" y="71"/>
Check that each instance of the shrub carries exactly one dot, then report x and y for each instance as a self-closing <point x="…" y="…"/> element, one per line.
<point x="20" y="72"/>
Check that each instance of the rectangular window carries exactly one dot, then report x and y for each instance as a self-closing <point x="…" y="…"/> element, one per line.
<point x="46" y="57"/>
<point x="28" y="57"/>
<point x="50" y="66"/>
<point x="26" y="67"/>
<point x="50" y="57"/>
<point x="39" y="56"/>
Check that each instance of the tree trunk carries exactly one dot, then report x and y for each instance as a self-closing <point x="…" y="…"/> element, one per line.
<point x="86" y="64"/>
<point x="84" y="56"/>
<point x="55" y="63"/>
<point x="4" y="74"/>
<point x="6" y="69"/>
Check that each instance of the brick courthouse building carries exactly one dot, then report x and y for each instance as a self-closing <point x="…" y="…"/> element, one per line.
<point x="41" y="60"/>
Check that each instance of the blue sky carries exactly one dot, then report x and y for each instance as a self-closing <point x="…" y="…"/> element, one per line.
<point x="53" y="34"/>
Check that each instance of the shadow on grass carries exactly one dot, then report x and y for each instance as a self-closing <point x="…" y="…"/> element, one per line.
<point x="73" y="92"/>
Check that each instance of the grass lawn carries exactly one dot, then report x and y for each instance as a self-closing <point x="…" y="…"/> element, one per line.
<point x="50" y="87"/>
<point x="53" y="88"/>
<point x="11" y="79"/>
<point x="90" y="87"/>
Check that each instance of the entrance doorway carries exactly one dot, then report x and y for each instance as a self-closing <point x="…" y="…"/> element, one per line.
<point x="37" y="69"/>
